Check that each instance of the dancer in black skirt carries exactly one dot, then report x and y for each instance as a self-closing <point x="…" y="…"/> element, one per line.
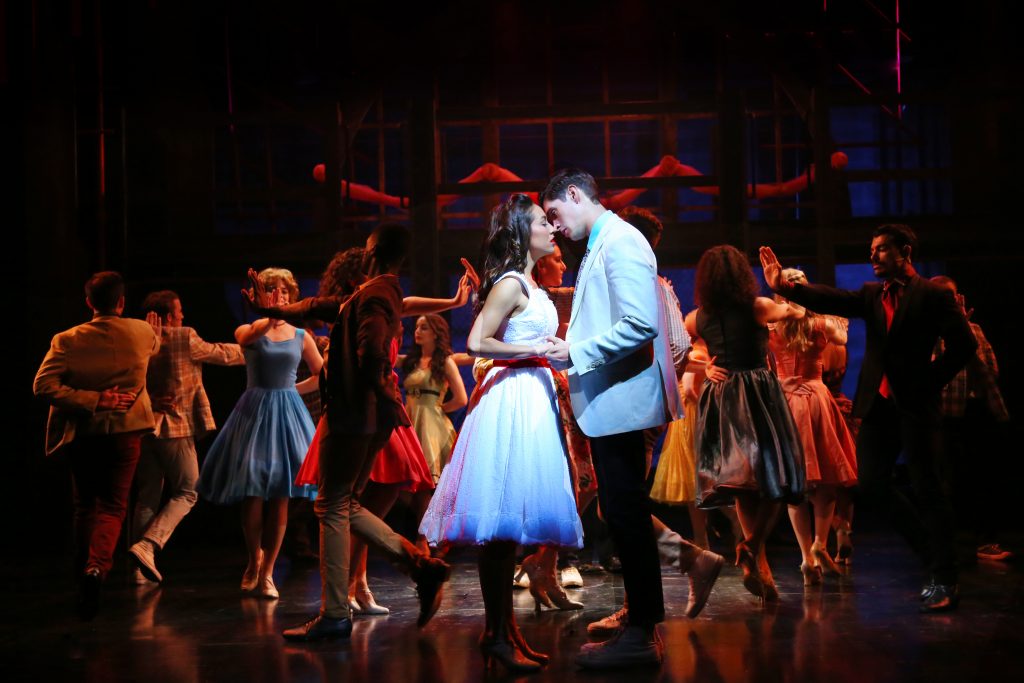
<point x="747" y="446"/>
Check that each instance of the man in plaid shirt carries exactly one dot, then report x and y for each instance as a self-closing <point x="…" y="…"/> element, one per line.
<point x="182" y="411"/>
<point x="974" y="415"/>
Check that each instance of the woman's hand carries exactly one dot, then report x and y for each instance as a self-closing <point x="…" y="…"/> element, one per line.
<point x="474" y="278"/>
<point x="463" y="292"/>
<point x="714" y="373"/>
<point x="772" y="269"/>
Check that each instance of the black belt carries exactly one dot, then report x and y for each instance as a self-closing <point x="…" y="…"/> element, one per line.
<point x="419" y="392"/>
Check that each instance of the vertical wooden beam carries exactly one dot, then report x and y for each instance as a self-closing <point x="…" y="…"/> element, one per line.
<point x="668" y="131"/>
<point x="101" y="147"/>
<point x="777" y="139"/>
<point x="732" y="210"/>
<point x="825" y="190"/>
<point x="424" y="259"/>
<point x="490" y="135"/>
<point x="331" y="188"/>
<point x="382" y="177"/>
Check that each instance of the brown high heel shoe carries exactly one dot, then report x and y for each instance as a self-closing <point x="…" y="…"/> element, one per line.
<point x="819" y="553"/>
<point x="520" y="642"/>
<point x="751" y="575"/>
<point x="771" y="593"/>
<point x="508" y="654"/>
<point x="544" y="586"/>
<point x="250" y="579"/>
<point x="812" y="574"/>
<point x="844" y="552"/>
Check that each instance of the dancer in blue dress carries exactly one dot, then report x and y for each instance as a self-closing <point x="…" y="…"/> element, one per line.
<point x="508" y="481"/>
<point x="258" y="452"/>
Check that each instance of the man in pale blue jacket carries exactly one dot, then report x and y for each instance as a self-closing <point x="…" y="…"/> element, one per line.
<point x="621" y="381"/>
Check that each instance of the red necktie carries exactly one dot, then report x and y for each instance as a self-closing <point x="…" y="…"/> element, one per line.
<point x="890" y="297"/>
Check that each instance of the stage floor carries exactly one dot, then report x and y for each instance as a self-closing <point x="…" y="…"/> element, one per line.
<point x="861" y="627"/>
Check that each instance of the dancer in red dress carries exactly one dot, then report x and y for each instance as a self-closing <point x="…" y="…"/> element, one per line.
<point x="830" y="456"/>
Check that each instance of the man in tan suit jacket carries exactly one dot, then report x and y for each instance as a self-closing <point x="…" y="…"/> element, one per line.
<point x="94" y="378"/>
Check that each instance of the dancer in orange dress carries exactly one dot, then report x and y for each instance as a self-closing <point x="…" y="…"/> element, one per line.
<point x="829" y="452"/>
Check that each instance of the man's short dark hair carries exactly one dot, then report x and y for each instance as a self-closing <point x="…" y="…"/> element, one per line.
<point x="392" y="244"/>
<point x="104" y="290"/>
<point x="899" y="235"/>
<point x="160" y="302"/>
<point x="561" y="181"/>
<point x="644" y="221"/>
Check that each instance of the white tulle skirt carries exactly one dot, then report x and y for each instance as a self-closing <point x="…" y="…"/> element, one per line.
<point x="508" y="478"/>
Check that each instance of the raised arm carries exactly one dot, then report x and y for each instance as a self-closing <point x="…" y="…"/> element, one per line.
<point x="323" y="308"/>
<point x="247" y="334"/>
<point x="415" y="306"/>
<point x="203" y="351"/>
<point x="769" y="311"/>
<point x="313" y="308"/>
<point x="836" y="330"/>
<point x="818" y="298"/>
<point x="505" y="300"/>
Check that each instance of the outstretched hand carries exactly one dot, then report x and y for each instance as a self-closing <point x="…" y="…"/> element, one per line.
<point x="772" y="268"/>
<point x="962" y="303"/>
<point x="257" y="295"/>
<point x="468" y="283"/>
<point x="464" y="290"/>
<point x="154" y="320"/>
<point x="474" y="278"/>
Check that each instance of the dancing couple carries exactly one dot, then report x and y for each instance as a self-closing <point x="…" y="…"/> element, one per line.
<point x="509" y="481"/>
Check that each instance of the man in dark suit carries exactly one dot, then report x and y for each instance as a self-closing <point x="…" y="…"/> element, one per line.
<point x="363" y="406"/>
<point x="898" y="392"/>
<point x="94" y="378"/>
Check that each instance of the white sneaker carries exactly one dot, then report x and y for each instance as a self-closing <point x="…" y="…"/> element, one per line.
<point x="143" y="552"/>
<point x="570" y="578"/>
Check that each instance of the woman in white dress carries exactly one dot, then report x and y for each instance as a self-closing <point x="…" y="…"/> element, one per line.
<point x="508" y="481"/>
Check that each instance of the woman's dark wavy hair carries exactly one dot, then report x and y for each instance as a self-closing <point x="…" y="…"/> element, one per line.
<point x="442" y="348"/>
<point x="724" y="280"/>
<point x="507" y="243"/>
<point x="343" y="270"/>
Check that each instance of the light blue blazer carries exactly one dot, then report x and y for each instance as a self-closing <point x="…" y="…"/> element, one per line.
<point x="621" y="378"/>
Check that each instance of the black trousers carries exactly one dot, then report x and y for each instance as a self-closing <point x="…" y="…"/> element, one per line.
<point x="621" y="489"/>
<point x="927" y="523"/>
<point x="976" y="465"/>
